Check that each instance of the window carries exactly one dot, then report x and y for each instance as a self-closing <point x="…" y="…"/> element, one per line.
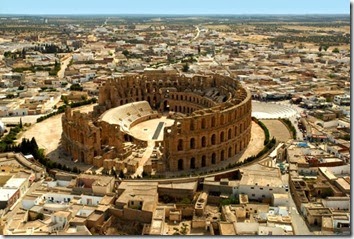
<point x="252" y="187"/>
<point x="263" y="196"/>
<point x="261" y="188"/>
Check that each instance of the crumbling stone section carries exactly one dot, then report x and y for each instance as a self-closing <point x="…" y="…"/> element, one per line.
<point x="212" y="116"/>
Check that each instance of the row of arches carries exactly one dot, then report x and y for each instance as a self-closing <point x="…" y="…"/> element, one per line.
<point x="204" y="161"/>
<point x="213" y="140"/>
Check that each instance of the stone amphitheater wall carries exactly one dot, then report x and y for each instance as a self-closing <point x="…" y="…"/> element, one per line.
<point x="212" y="120"/>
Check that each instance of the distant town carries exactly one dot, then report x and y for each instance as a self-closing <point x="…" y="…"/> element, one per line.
<point x="175" y="125"/>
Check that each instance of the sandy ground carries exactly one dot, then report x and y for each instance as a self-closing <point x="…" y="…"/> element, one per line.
<point x="48" y="133"/>
<point x="277" y="129"/>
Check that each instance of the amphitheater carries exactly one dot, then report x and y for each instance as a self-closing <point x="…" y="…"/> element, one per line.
<point x="160" y="122"/>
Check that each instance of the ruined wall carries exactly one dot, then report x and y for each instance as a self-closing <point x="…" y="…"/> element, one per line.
<point x="80" y="137"/>
<point x="215" y="123"/>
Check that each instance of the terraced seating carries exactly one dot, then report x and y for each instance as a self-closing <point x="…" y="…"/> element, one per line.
<point x="264" y="110"/>
<point x="128" y="115"/>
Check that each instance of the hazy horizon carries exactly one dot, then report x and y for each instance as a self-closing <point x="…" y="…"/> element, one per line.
<point x="181" y="7"/>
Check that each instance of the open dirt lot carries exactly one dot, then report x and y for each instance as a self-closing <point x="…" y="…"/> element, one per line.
<point x="277" y="129"/>
<point x="48" y="133"/>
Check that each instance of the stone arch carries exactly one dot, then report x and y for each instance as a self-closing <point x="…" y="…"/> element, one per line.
<point x="213" y="158"/>
<point x="229" y="134"/>
<point x="213" y="139"/>
<point x="203" y="124"/>
<point x="82" y="138"/>
<point x="192" y="143"/>
<point x="222" y="136"/>
<point x="203" y="161"/>
<point x="192" y="163"/>
<point x="230" y="152"/>
<point x="222" y="119"/>
<point x="180" y="164"/>
<point x="180" y="145"/>
<point x="213" y="121"/>
<point x="222" y="155"/>
<point x="203" y="141"/>
<point x="82" y="156"/>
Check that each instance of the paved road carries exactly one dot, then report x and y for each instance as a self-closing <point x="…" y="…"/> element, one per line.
<point x="197" y="33"/>
<point x="64" y="65"/>
<point x="300" y="227"/>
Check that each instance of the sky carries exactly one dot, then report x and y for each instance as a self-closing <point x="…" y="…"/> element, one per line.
<point x="34" y="7"/>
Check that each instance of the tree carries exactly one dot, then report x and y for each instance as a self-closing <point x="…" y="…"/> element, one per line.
<point x="125" y="53"/>
<point x="185" y="67"/>
<point x="40" y="216"/>
<point x="76" y="87"/>
<point x="75" y="170"/>
<point x="121" y="174"/>
<point x="335" y="50"/>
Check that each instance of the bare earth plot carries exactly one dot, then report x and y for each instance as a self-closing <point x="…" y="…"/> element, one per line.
<point x="277" y="129"/>
<point x="48" y="133"/>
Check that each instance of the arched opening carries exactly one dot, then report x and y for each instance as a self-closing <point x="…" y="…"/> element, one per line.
<point x="213" y="139"/>
<point x="126" y="138"/>
<point x="192" y="143"/>
<point x="229" y="134"/>
<point x="180" y="145"/>
<point x="222" y="155"/>
<point x="82" y="138"/>
<point x="222" y="136"/>
<point x="203" y="123"/>
<point x="213" y="158"/>
<point x="192" y="166"/>
<point x="166" y="107"/>
<point x="180" y="164"/>
<point x="203" y="141"/>
<point x="192" y="123"/>
<point x="94" y="136"/>
<point x="82" y="159"/>
<point x="213" y="121"/>
<point x="222" y="119"/>
<point x="203" y="161"/>
<point x="95" y="153"/>
<point x="230" y="152"/>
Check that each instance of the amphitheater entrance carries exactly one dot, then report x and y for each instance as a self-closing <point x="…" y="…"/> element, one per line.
<point x="180" y="164"/>
<point x="166" y="107"/>
<point x="192" y="166"/>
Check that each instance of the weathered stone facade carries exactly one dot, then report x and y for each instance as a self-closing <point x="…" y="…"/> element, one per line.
<point x="212" y="116"/>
